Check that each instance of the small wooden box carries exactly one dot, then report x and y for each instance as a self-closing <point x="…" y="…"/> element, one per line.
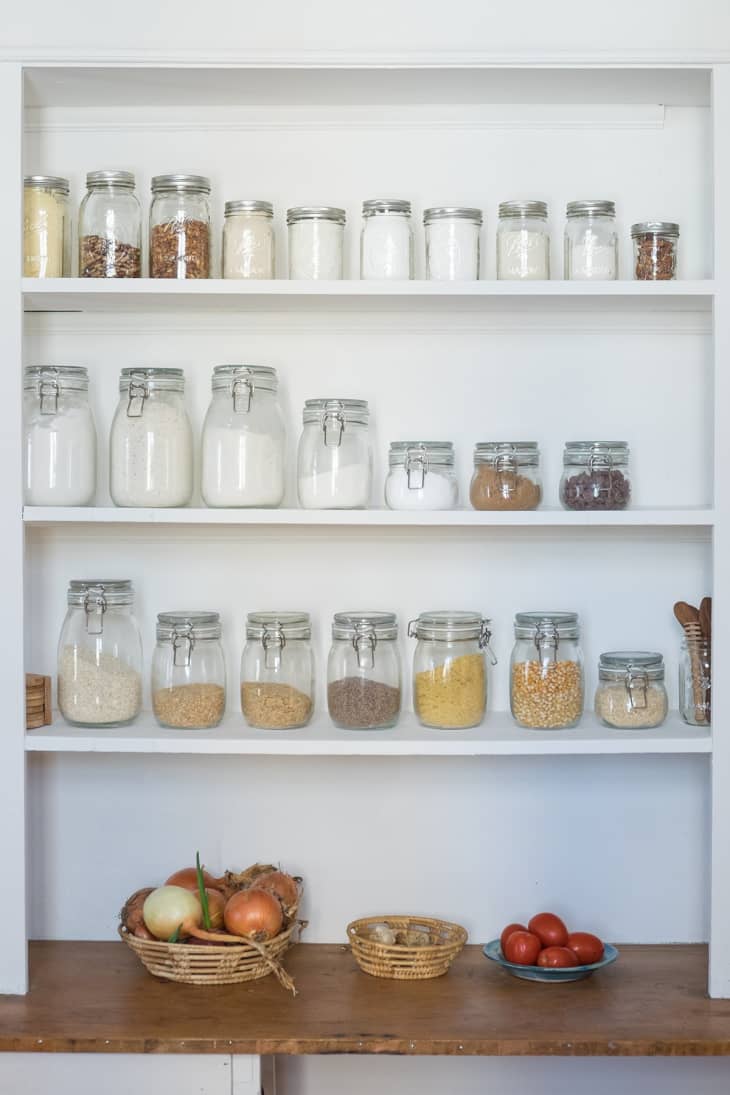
<point x="37" y="701"/>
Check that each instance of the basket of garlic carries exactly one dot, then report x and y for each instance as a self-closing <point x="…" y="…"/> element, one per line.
<point x="406" y="948"/>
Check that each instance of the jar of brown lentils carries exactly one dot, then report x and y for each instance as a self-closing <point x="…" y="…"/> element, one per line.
<point x="655" y="250"/>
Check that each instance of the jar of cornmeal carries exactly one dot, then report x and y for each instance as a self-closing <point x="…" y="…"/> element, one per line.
<point x="450" y="669"/>
<point x="631" y="693"/>
<point x="546" y="683"/>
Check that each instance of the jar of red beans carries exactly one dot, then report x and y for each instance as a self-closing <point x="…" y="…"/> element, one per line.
<point x="595" y="475"/>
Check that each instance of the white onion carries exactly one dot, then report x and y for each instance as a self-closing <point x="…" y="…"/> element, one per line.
<point x="168" y="908"/>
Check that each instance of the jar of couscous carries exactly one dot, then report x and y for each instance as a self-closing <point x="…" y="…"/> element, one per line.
<point x="546" y="685"/>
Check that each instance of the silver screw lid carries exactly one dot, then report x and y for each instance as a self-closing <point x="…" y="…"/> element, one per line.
<point x="654" y="228"/>
<point x="244" y="206"/>
<point x="110" y="178"/>
<point x="386" y="205"/>
<point x="188" y="183"/>
<point x="595" y="208"/>
<point x="523" y="209"/>
<point x="46" y="182"/>
<point x="452" y="212"/>
<point x="315" y="213"/>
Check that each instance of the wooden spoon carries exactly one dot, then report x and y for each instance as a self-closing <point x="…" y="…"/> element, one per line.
<point x="686" y="614"/>
<point x="706" y="618"/>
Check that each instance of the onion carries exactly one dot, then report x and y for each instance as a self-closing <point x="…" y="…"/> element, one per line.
<point x="169" y="908"/>
<point x="131" y="914"/>
<point x="216" y="905"/>
<point x="255" y="914"/>
<point x="188" y="879"/>
<point x="281" y="885"/>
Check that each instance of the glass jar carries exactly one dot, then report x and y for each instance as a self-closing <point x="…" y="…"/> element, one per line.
<point x="364" y="671"/>
<point x="591" y="241"/>
<point x="316" y="239"/>
<point x="450" y="669"/>
<point x="277" y="671"/>
<point x="110" y="227"/>
<point x="695" y="681"/>
<point x="546" y="672"/>
<point x="631" y="693"/>
<point x="334" y="462"/>
<point x="523" y="241"/>
<point x="386" y="240"/>
<point x="60" y="439"/>
<point x="188" y="671"/>
<point x="243" y="442"/>
<point x="151" y="444"/>
<point x="100" y="655"/>
<point x="46" y="227"/>
<point x="248" y="240"/>
<point x="506" y="476"/>
<point x="180" y="227"/>
<point x="595" y="475"/>
<point x="452" y="243"/>
<point x="421" y="476"/>
<point x="655" y="250"/>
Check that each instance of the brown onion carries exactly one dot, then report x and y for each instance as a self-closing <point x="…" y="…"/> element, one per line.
<point x="281" y="885"/>
<point x="187" y="878"/>
<point x="131" y="915"/>
<point x="216" y="905"/>
<point x="255" y="914"/>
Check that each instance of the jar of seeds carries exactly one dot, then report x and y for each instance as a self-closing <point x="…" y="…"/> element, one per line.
<point x="364" y="671"/>
<point x="188" y="671"/>
<point x="277" y="670"/>
<point x="546" y="688"/>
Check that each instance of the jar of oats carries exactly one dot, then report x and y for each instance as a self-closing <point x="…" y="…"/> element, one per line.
<point x="188" y="671"/>
<point x="546" y="684"/>
<point x="631" y="693"/>
<point x="277" y="670"/>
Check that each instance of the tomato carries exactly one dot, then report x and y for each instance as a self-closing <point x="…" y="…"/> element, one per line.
<point x="522" y="948"/>
<point x="557" y="958"/>
<point x="549" y="929"/>
<point x="508" y="932"/>
<point x="586" y="947"/>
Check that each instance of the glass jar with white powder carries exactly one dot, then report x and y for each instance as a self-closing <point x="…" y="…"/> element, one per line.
<point x="452" y="243"/>
<point x="151" y="445"/>
<point x="591" y="241"/>
<point x="386" y="240"/>
<point x="316" y="239"/>
<point x="334" y="462"/>
<point x="248" y="240"/>
<point x="243" y="443"/>
<point x="421" y="476"/>
<point x="523" y="241"/>
<point x="60" y="439"/>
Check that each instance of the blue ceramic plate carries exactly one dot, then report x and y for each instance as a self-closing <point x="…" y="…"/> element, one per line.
<point x="538" y="973"/>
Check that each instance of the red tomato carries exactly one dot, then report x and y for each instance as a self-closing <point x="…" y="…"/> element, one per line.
<point x="508" y="932"/>
<point x="522" y="948"/>
<point x="586" y="947"/>
<point x="549" y="929"/>
<point x="557" y="958"/>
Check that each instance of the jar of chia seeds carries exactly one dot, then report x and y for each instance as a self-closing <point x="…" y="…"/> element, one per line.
<point x="631" y="693"/>
<point x="546" y="679"/>
<point x="595" y="475"/>
<point x="450" y="669"/>
<point x="364" y="671"/>
<point x="277" y="670"/>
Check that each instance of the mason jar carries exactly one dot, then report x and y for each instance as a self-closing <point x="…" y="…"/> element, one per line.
<point x="523" y="241"/>
<point x="506" y="476"/>
<point x="334" y="461"/>
<point x="655" y="245"/>
<point x="46" y="227"/>
<point x="591" y="241"/>
<point x="386" y="240"/>
<point x="595" y="475"/>
<point x="100" y="655"/>
<point x="151" y="443"/>
<point x="60" y="438"/>
<point x="316" y="242"/>
<point x="110" y="227"/>
<point x="450" y="669"/>
<point x="243" y="441"/>
<point x="248" y="240"/>
<point x="421" y="476"/>
<point x="452" y="243"/>
<point x="180" y="227"/>
<point x="631" y="693"/>
<point x="546" y="685"/>
<point x="695" y="681"/>
<point x="188" y="671"/>
<point x="277" y="670"/>
<point x="364" y="671"/>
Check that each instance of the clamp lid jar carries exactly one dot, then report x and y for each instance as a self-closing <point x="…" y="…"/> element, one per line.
<point x="450" y="669"/>
<point x="188" y="671"/>
<point x="603" y="483"/>
<point x="546" y="673"/>
<point x="421" y="476"/>
<point x="277" y="670"/>
<point x="631" y="691"/>
<point x="364" y="671"/>
<point x="59" y="437"/>
<point x="334" y="461"/>
<point x="506" y="476"/>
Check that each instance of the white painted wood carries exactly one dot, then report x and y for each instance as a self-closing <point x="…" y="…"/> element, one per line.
<point x="246" y="1075"/>
<point x="120" y="1074"/>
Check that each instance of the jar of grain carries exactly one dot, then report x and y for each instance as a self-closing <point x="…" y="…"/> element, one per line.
<point x="46" y="227"/>
<point x="364" y="671"/>
<point x="546" y="687"/>
<point x="450" y="669"/>
<point x="277" y="671"/>
<point x="334" y="460"/>
<point x="523" y="241"/>
<point x="248" y="239"/>
<point x="180" y="227"/>
<point x="655" y="250"/>
<point x="59" y="437"/>
<point x="386" y="240"/>
<point x="100" y="655"/>
<point x="631" y="693"/>
<point x="595" y="475"/>
<point x="695" y="681"/>
<point x="110" y="227"/>
<point x="188" y="671"/>
<point x="421" y="476"/>
<point x="506" y="476"/>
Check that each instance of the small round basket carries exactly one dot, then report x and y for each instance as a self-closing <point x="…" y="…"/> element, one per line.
<point x="424" y="947"/>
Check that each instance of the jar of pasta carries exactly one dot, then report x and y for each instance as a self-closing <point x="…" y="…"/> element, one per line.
<point x="546" y="689"/>
<point x="450" y="669"/>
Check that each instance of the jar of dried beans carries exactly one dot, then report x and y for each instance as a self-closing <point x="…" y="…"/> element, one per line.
<point x="595" y="475"/>
<point x="450" y="669"/>
<point x="506" y="476"/>
<point x="631" y="693"/>
<point x="180" y="227"/>
<point x="277" y="671"/>
<point x="110" y="227"/>
<point x="188" y="671"/>
<point x="655" y="250"/>
<point x="364" y="671"/>
<point x="546" y="685"/>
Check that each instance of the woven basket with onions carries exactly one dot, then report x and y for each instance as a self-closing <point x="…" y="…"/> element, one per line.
<point x="406" y="948"/>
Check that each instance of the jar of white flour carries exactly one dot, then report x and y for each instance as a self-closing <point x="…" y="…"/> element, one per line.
<point x="334" y="464"/>
<point x="60" y="439"/>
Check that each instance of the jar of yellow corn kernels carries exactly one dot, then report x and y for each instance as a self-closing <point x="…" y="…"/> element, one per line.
<point x="546" y="684"/>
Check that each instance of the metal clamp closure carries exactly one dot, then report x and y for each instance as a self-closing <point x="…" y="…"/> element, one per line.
<point x="484" y="636"/>
<point x="599" y="459"/>
<point x="547" y="642"/>
<point x="94" y="609"/>
<point x="333" y="424"/>
<point x="48" y="389"/>
<point x="416" y="465"/>
<point x="138" y="393"/>
<point x="364" y="641"/>
<point x="183" y="644"/>
<point x="637" y="683"/>
<point x="242" y="389"/>
<point x="273" y="641"/>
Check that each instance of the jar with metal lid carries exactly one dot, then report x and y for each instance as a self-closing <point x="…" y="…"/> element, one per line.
<point x="334" y="462"/>
<point x="248" y="239"/>
<point x="59" y="437"/>
<point x="386" y="240"/>
<point x="151" y="444"/>
<point x="316" y="242"/>
<point x="100" y="655"/>
<point x="591" y="241"/>
<point x="243" y="442"/>
<point x="110" y="227"/>
<point x="277" y="670"/>
<point x="546" y="685"/>
<point x="450" y="669"/>
<point x="695" y="681"/>
<point x="452" y="243"/>
<point x="523" y="241"/>
<point x="506" y="476"/>
<point x="655" y="246"/>
<point x="595" y="475"/>
<point x="188" y="671"/>
<point x="180" y="227"/>
<point x="421" y="476"/>
<point x="631" y="693"/>
<point x="364" y="671"/>
<point x="46" y="227"/>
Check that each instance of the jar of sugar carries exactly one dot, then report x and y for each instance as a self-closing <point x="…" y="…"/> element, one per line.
<point x="316" y="242"/>
<point x="591" y="242"/>
<point x="334" y="462"/>
<point x="60" y="440"/>
<point x="523" y="241"/>
<point x="452" y="243"/>
<point x="248" y="239"/>
<point x="386" y="240"/>
<point x="421" y="476"/>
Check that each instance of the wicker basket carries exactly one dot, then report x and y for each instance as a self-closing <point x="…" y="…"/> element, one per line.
<point x="403" y="961"/>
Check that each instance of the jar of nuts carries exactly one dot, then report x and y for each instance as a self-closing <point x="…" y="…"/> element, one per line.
<point x="110" y="227"/>
<point x="631" y="693"/>
<point x="180" y="227"/>
<point x="546" y="685"/>
<point x="277" y="670"/>
<point x="188" y="671"/>
<point x="655" y="250"/>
